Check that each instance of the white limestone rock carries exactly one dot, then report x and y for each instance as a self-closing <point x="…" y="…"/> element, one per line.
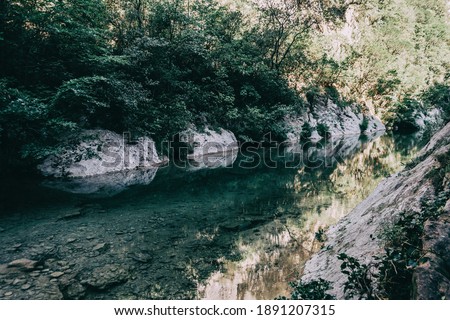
<point x="102" y="163"/>
<point x="209" y="142"/>
<point x="341" y="121"/>
<point x="100" y="152"/>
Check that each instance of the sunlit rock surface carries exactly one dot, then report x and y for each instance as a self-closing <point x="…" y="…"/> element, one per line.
<point x="356" y="234"/>
<point x="340" y="121"/>
<point x="209" y="142"/>
<point x="102" y="161"/>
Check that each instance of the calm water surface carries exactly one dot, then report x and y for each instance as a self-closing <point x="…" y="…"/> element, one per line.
<point x="199" y="233"/>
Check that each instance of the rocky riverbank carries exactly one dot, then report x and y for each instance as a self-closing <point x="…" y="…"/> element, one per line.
<point x="105" y="162"/>
<point x="326" y="119"/>
<point x="164" y="240"/>
<point x="358" y="234"/>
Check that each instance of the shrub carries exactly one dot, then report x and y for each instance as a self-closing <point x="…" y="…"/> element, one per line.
<point x="364" y="124"/>
<point x="306" y="131"/>
<point x="359" y="278"/>
<point x="312" y="290"/>
<point x="323" y="130"/>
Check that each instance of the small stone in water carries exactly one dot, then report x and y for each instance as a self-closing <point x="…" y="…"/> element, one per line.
<point x="26" y="286"/>
<point x="24" y="264"/>
<point x="56" y="274"/>
<point x="100" y="247"/>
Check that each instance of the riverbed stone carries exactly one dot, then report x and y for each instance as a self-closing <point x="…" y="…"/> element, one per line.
<point x="89" y="167"/>
<point x="107" y="276"/>
<point x="71" y="215"/>
<point x="56" y="274"/>
<point x="23" y="264"/>
<point x="101" y="247"/>
<point x="26" y="286"/>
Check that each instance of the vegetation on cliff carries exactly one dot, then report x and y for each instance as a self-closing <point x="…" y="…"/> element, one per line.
<point x="153" y="67"/>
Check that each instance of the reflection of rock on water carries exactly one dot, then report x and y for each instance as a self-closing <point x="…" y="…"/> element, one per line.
<point x="257" y="227"/>
<point x="328" y="152"/>
<point x="211" y="161"/>
<point x="102" y="162"/>
<point x="105" y="184"/>
<point x="321" y="197"/>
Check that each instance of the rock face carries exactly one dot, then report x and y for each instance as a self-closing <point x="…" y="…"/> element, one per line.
<point x="431" y="279"/>
<point x="101" y="152"/>
<point x="356" y="234"/>
<point x="209" y="142"/>
<point x="103" y="161"/>
<point x="419" y="120"/>
<point x="339" y="121"/>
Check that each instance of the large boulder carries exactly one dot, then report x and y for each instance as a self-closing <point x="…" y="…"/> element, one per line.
<point x="100" y="152"/>
<point x="102" y="161"/>
<point x="209" y="142"/>
<point x="338" y="121"/>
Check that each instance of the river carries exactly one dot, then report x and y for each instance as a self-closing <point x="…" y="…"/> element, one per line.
<point x="237" y="232"/>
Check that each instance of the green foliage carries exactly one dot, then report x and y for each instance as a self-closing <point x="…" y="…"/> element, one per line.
<point x="47" y="42"/>
<point x="403" y="248"/>
<point x="28" y="129"/>
<point x="147" y="67"/>
<point x="312" y="290"/>
<point x="438" y="96"/>
<point x="313" y="94"/>
<point x="404" y="113"/>
<point x="306" y="131"/>
<point x="403" y="239"/>
<point x="153" y="67"/>
<point x="320" y="235"/>
<point x="359" y="282"/>
<point x="401" y="49"/>
<point x="437" y="174"/>
<point x="99" y="102"/>
<point x="323" y="130"/>
<point x="364" y="124"/>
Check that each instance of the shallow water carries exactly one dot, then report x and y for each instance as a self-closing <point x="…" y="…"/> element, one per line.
<point x="239" y="232"/>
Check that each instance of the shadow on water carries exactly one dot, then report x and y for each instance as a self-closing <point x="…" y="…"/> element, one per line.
<point x="226" y="233"/>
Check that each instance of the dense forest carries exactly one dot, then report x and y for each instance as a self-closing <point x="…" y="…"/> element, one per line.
<point x="153" y="67"/>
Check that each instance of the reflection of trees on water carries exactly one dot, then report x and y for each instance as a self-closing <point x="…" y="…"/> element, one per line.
<point x="276" y="252"/>
<point x="375" y="159"/>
